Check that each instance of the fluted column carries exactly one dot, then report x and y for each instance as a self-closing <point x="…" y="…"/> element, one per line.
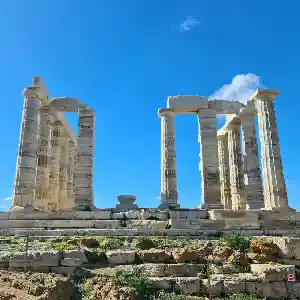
<point x="26" y="169"/>
<point x="209" y="164"/>
<point x="168" y="194"/>
<point x="84" y="197"/>
<point x="236" y="165"/>
<point x="55" y="142"/>
<point x="252" y="174"/>
<point x="71" y="172"/>
<point x="43" y="166"/>
<point x="275" y="192"/>
<point x="63" y="172"/>
<point x="224" y="170"/>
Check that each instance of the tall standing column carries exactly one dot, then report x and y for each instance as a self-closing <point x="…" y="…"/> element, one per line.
<point x="252" y="174"/>
<point x="209" y="165"/>
<point x="236" y="165"/>
<point x="55" y="142"/>
<point x="26" y="170"/>
<point x="168" y="194"/>
<point x="63" y="172"/>
<point x="275" y="192"/>
<point x="224" y="170"/>
<point x="84" y="197"/>
<point x="71" y="171"/>
<point x="43" y="165"/>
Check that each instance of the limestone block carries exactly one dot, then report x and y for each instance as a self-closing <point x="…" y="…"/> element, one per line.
<point x="216" y="287"/>
<point x="74" y="258"/>
<point x="120" y="257"/>
<point x="183" y="270"/>
<point x="106" y="224"/>
<point x="188" y="285"/>
<point x="234" y="286"/>
<point x="164" y="283"/>
<point x="273" y="272"/>
<point x="293" y="289"/>
<point x="207" y="224"/>
<point x="153" y="270"/>
<point x="261" y="289"/>
<point x="4" y="259"/>
<point x="180" y="224"/>
<point x="155" y="256"/>
<point x="189" y="214"/>
<point x="288" y="247"/>
<point x="277" y="290"/>
<point x="67" y="104"/>
<point x="159" y="215"/>
<point x="94" y="214"/>
<point x="148" y="224"/>
<point x="225" y="107"/>
<point x="242" y="223"/>
<point x="64" y="270"/>
<point x="187" y="104"/>
<point x="4" y="215"/>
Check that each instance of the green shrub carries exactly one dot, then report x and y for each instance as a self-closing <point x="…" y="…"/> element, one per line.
<point x="95" y="257"/>
<point x="172" y="296"/>
<point x="236" y="241"/>
<point x="111" y="243"/>
<point x="144" y="243"/>
<point x="90" y="242"/>
<point x="134" y="279"/>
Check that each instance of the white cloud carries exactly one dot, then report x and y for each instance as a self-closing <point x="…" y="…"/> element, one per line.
<point x="8" y="198"/>
<point x="241" y="88"/>
<point x="188" y="24"/>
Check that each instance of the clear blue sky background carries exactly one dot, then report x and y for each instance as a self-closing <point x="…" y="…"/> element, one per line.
<point x="124" y="57"/>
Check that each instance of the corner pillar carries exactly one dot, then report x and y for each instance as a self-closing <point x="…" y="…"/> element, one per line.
<point x="26" y="169"/>
<point x="84" y="197"/>
<point x="236" y="165"/>
<point x="209" y="164"/>
<point x="275" y="192"/>
<point x="168" y="194"/>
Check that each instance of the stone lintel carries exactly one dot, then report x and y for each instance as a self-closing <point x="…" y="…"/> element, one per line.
<point x="225" y="107"/>
<point x="223" y="214"/>
<point x="187" y="104"/>
<point x="265" y="94"/>
<point x="67" y="104"/>
<point x="234" y="122"/>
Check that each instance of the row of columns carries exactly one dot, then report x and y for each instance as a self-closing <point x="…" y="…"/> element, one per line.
<point x="48" y="159"/>
<point x="231" y="178"/>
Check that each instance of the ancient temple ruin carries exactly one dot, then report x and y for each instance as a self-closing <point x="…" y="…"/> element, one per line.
<point x="231" y="175"/>
<point x="54" y="167"/>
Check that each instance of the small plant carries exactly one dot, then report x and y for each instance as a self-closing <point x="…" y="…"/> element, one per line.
<point x="95" y="257"/>
<point x="111" y="243"/>
<point x="240" y="297"/>
<point x="236" y="241"/>
<point x="134" y="279"/>
<point x="144" y="243"/>
<point x="89" y="242"/>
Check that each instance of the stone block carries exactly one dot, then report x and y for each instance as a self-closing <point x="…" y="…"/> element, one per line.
<point x="162" y="283"/>
<point x="288" y="247"/>
<point x="261" y="289"/>
<point x="277" y="290"/>
<point x="106" y="224"/>
<point x="63" y="270"/>
<point x="4" y="215"/>
<point x="121" y="257"/>
<point x="234" y="286"/>
<point x="216" y="287"/>
<point x="225" y="107"/>
<point x="73" y="258"/>
<point x="207" y="224"/>
<point x="180" y="224"/>
<point x="155" y="256"/>
<point x="158" y="215"/>
<point x="19" y="260"/>
<point x="146" y="224"/>
<point x="188" y="285"/>
<point x="4" y="259"/>
<point x="242" y="224"/>
<point x="293" y="289"/>
<point x="273" y="272"/>
<point x="153" y="270"/>
<point x="189" y="214"/>
<point x="187" y="104"/>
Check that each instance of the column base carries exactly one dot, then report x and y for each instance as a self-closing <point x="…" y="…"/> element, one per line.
<point x="168" y="206"/>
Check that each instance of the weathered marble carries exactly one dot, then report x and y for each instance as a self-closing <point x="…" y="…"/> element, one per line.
<point x="252" y="178"/>
<point x="43" y="159"/>
<point x="71" y="172"/>
<point x="26" y="170"/>
<point x="275" y="193"/>
<point x="55" y="142"/>
<point x="84" y="198"/>
<point x="126" y="202"/>
<point x="209" y="165"/>
<point x="168" y="194"/>
<point x="63" y="172"/>
<point x="236" y="165"/>
<point x="224" y="170"/>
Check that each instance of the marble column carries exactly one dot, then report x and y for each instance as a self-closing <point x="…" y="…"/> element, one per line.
<point x="168" y="194"/>
<point x="236" y="165"/>
<point x="224" y="170"/>
<point x="63" y="172"/>
<point x="209" y="164"/>
<point x="71" y="172"/>
<point x="252" y="174"/>
<point x="275" y="192"/>
<point x="26" y="169"/>
<point x="84" y="197"/>
<point x="55" y="144"/>
<point x="43" y="166"/>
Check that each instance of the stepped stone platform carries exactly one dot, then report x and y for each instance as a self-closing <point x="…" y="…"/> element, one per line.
<point x="186" y="222"/>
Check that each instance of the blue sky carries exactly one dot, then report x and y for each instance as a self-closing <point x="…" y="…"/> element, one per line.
<point x="124" y="58"/>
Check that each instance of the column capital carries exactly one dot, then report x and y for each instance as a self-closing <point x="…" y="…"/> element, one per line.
<point x="32" y="93"/>
<point x="265" y="95"/>
<point x="166" y="112"/>
<point x="235" y="122"/>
